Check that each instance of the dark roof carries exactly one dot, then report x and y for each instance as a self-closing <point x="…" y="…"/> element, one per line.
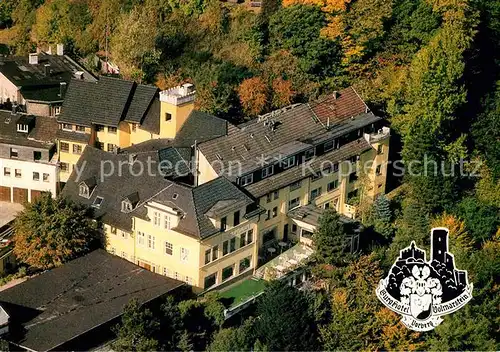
<point x="193" y="203"/>
<point x="63" y="303"/>
<point x="295" y="128"/>
<point x="151" y="121"/>
<point x="20" y="72"/>
<point x="42" y="133"/>
<point x="200" y="127"/>
<point x="295" y="174"/>
<point x="42" y="94"/>
<point x="102" y="102"/>
<point x="141" y="99"/>
<point x="73" y="136"/>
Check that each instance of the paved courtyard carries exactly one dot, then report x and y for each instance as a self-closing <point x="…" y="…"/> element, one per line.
<point x="8" y="212"/>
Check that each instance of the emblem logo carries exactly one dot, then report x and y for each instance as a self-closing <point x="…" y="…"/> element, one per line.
<point x="423" y="291"/>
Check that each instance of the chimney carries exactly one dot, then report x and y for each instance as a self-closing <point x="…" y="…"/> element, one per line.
<point x="60" y="49"/>
<point x="14" y="108"/>
<point x="33" y="59"/>
<point x="335" y="94"/>
<point x="78" y="74"/>
<point x="46" y="70"/>
<point x="62" y="89"/>
<point x="49" y="50"/>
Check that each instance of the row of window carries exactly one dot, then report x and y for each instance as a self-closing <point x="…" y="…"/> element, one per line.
<point x="69" y="127"/>
<point x="236" y="221"/>
<point x="77" y="148"/>
<point x="110" y="146"/>
<point x="228" y="272"/>
<point x="229" y="246"/>
<point x="18" y="174"/>
<point x="157" y="220"/>
<point x="149" y="241"/>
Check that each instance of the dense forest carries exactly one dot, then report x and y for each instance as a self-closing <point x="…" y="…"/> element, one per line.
<point x="430" y="67"/>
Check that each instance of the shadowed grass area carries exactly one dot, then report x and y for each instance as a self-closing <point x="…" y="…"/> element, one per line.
<point x="243" y="290"/>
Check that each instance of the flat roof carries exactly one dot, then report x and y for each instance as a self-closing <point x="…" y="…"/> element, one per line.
<point x="243" y="291"/>
<point x="79" y="296"/>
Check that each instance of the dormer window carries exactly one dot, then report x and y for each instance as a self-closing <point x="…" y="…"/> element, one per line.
<point x="126" y="206"/>
<point x="83" y="190"/>
<point x="288" y="162"/>
<point x="267" y="171"/>
<point x="246" y="180"/>
<point x="22" y="128"/>
<point x="97" y="202"/>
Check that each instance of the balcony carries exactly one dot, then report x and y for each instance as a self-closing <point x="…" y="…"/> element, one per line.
<point x="381" y="134"/>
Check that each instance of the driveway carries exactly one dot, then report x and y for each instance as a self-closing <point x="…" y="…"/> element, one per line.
<point x="8" y="212"/>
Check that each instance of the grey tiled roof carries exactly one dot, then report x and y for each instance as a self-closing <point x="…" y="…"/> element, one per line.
<point x="41" y="135"/>
<point x="142" y="98"/>
<point x="61" y="304"/>
<point x="151" y="121"/>
<point x="311" y="214"/>
<point x="193" y="203"/>
<point x="73" y="136"/>
<point x="200" y="127"/>
<point x="298" y="173"/>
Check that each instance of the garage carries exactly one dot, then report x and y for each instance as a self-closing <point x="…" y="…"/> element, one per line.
<point x="4" y="194"/>
<point x="35" y="194"/>
<point x="20" y="195"/>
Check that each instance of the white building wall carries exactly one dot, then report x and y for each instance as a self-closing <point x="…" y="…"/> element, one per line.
<point x="26" y="180"/>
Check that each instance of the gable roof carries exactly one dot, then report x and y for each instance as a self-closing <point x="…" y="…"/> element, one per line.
<point x="61" y="304"/>
<point x="106" y="102"/>
<point x="200" y="127"/>
<point x="42" y="132"/>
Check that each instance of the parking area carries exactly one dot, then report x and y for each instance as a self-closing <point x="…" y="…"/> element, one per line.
<point x="8" y="212"/>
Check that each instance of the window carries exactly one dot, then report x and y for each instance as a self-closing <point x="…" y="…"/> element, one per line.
<point x="80" y="128"/>
<point x="215" y="252"/>
<point x="294" y="228"/>
<point x="64" y="167"/>
<point x="293" y="203"/>
<point x="276" y="194"/>
<point x="124" y="255"/>
<point x="333" y="185"/>
<point x="268" y="236"/>
<point x="67" y="127"/>
<point x="378" y="171"/>
<point x="210" y="280"/>
<point x="288" y="162"/>
<point x="249" y="236"/>
<point x="225" y="248"/>
<point x="165" y="271"/>
<point x="18" y="173"/>
<point x="111" y="147"/>
<point x="99" y="145"/>
<point x="353" y="177"/>
<point x="37" y="155"/>
<point x="328" y="145"/>
<point x="14" y="154"/>
<point x="99" y="128"/>
<point x="223" y="224"/>
<point x="141" y="238"/>
<point x="168" y="116"/>
<point x="77" y="149"/>
<point x="184" y="254"/>
<point x="36" y="176"/>
<point x="315" y="193"/>
<point x="309" y="154"/>
<point x="64" y="147"/>
<point x="227" y="272"/>
<point x="126" y="206"/>
<point x="380" y="149"/>
<point x="113" y="230"/>
<point x="83" y="190"/>
<point x="97" y="202"/>
<point x="246" y="238"/>
<point x="316" y="176"/>
<point x="353" y="159"/>
<point x="275" y="212"/>
<point x="245" y="264"/>
<point x="166" y="222"/>
<point x="151" y="242"/>
<point x="6" y="171"/>
<point x="268" y="216"/>
<point x="294" y="186"/>
<point x="169" y="248"/>
<point x="246" y="180"/>
<point x="232" y="244"/>
<point x="335" y="167"/>
<point x="156" y="218"/>
<point x="112" y="130"/>
<point x="236" y="219"/>
<point x="208" y="256"/>
<point x="57" y="110"/>
<point x="46" y="177"/>
<point x="269" y="198"/>
<point x="134" y="127"/>
<point x="22" y="128"/>
<point x="267" y="171"/>
<point x="124" y="235"/>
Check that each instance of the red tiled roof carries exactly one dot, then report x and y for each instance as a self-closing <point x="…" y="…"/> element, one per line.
<point x="336" y="107"/>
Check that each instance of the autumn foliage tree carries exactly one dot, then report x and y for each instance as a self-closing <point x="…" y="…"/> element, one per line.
<point x="49" y="232"/>
<point x="253" y="93"/>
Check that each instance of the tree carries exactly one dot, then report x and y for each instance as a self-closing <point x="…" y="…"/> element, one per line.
<point x="49" y="232"/>
<point x="253" y="95"/>
<point x="283" y="92"/>
<point x="6" y="8"/>
<point x="330" y="239"/>
<point x="285" y="322"/>
<point x="481" y="219"/>
<point x="137" y="328"/>
<point x="382" y="216"/>
<point x="233" y="339"/>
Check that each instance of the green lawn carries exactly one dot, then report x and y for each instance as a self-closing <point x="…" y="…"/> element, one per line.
<point x="244" y="290"/>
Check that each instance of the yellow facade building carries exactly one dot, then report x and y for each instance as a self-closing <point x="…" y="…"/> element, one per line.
<point x="220" y="200"/>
